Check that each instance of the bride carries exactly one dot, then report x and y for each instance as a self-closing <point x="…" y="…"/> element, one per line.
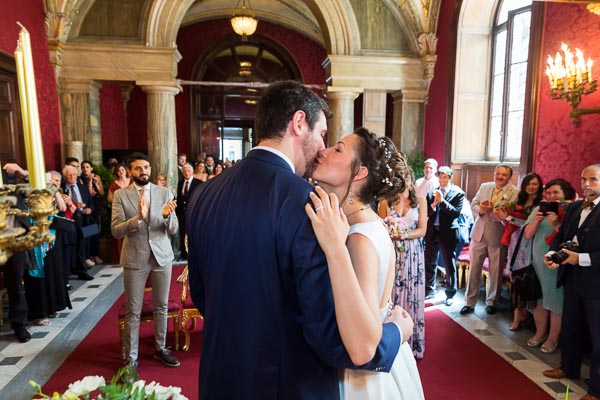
<point x="360" y="169"/>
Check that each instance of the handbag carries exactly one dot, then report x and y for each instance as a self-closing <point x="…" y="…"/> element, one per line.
<point x="525" y="281"/>
<point x="90" y="230"/>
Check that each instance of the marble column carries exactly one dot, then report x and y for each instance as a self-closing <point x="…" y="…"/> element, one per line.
<point x="162" y="132"/>
<point x="374" y="107"/>
<point x="80" y="116"/>
<point x="341" y="103"/>
<point x="408" y="124"/>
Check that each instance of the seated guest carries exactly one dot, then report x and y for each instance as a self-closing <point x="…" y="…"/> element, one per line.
<point x="444" y="205"/>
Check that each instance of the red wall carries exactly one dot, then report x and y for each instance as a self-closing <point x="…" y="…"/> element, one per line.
<point x="31" y="14"/>
<point x="434" y="140"/>
<point x="193" y="39"/>
<point x="112" y="117"/>
<point x="561" y="149"/>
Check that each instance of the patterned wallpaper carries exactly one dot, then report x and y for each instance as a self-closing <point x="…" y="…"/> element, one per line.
<point x="561" y="149"/>
<point x="31" y="14"/>
<point x="112" y="117"/>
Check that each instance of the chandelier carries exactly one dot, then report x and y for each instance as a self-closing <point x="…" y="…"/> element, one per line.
<point x="242" y="23"/>
<point x="570" y="78"/>
<point x="594" y="8"/>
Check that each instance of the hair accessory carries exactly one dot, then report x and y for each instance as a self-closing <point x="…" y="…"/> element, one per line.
<point x="387" y="181"/>
<point x="383" y="143"/>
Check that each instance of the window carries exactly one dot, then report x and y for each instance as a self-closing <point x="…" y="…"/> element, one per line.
<point x="510" y="38"/>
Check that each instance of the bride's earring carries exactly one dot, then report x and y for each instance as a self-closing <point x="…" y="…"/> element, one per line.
<point x="350" y="201"/>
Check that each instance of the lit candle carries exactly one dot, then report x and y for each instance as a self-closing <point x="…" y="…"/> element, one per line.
<point x="1" y="181"/>
<point x="29" y="110"/>
<point x="589" y="67"/>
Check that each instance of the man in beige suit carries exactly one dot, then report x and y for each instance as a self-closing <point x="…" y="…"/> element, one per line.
<point x="143" y="214"/>
<point x="485" y="238"/>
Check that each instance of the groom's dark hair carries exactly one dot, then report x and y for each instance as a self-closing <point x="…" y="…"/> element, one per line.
<point x="134" y="157"/>
<point x="278" y="104"/>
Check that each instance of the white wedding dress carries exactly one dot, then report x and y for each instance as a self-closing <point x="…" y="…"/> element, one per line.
<point x="403" y="380"/>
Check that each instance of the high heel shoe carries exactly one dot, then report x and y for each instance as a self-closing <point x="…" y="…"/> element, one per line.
<point x="515" y="327"/>
<point x="535" y="343"/>
<point x="548" y="350"/>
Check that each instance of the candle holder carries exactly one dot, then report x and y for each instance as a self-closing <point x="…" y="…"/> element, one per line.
<point x="570" y="78"/>
<point x="40" y="207"/>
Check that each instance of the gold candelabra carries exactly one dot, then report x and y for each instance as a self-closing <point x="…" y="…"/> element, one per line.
<point x="570" y="78"/>
<point x="40" y="204"/>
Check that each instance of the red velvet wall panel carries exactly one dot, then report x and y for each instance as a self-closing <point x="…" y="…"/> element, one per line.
<point x="137" y="120"/>
<point x="193" y="39"/>
<point x="31" y="14"/>
<point x="112" y="117"/>
<point x="561" y="149"/>
<point x="436" y="110"/>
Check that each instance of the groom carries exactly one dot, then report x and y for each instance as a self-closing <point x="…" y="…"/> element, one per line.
<point x="257" y="273"/>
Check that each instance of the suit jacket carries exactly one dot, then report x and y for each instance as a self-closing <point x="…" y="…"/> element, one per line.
<point x="151" y="236"/>
<point x="587" y="279"/>
<point x="261" y="281"/>
<point x="450" y="209"/>
<point x="487" y="228"/>
<point x="86" y="198"/>
<point x="182" y="199"/>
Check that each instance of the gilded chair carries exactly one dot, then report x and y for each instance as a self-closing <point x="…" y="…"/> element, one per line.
<point x="189" y="312"/>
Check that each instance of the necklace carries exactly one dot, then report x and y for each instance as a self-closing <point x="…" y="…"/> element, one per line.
<point x="354" y="212"/>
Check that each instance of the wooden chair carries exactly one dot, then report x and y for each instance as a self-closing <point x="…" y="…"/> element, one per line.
<point x="189" y="312"/>
<point x="147" y="314"/>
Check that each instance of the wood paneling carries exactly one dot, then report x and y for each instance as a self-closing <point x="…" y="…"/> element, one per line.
<point x="11" y="139"/>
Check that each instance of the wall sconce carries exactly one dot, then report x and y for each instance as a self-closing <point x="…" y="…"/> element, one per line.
<point x="243" y="24"/>
<point x="570" y="78"/>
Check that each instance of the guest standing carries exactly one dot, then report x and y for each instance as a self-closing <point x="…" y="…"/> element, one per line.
<point x="541" y="228"/>
<point x="120" y="180"/>
<point x="444" y="205"/>
<point x="579" y="276"/>
<point x="429" y="181"/>
<point x="184" y="188"/>
<point x="143" y="214"/>
<point x="409" y="281"/>
<point x="486" y="236"/>
<point x="514" y="219"/>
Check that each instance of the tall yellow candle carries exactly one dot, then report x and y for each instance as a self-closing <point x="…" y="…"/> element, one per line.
<point x="29" y="110"/>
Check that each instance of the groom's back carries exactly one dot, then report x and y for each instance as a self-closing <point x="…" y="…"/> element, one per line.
<point x="252" y="257"/>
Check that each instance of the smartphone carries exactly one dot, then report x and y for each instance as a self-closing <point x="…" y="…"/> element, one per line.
<point x="548" y="206"/>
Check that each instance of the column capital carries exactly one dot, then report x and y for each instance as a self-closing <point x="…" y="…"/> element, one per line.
<point x="159" y="87"/>
<point x="343" y="93"/>
<point x="79" y="86"/>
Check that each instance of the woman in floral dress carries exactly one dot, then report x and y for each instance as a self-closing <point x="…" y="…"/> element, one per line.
<point x="409" y="212"/>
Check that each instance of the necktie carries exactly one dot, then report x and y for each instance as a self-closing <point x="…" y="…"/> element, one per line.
<point x="186" y="186"/>
<point x="142" y="192"/>
<point x="587" y="204"/>
<point x="494" y="198"/>
<point x="437" y="210"/>
<point x="74" y="195"/>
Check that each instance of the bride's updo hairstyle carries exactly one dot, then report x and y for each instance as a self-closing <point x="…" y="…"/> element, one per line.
<point x="387" y="167"/>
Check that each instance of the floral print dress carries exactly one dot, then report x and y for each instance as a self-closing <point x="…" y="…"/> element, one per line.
<point x="409" y="283"/>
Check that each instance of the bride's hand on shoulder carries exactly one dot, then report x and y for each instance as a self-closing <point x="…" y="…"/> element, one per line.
<point x="328" y="220"/>
<point x="401" y="317"/>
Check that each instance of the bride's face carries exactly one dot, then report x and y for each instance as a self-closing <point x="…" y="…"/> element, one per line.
<point x="334" y="164"/>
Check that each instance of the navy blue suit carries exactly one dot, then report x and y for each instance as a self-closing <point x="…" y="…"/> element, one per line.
<point x="581" y="309"/>
<point x="260" y="279"/>
<point x="444" y="237"/>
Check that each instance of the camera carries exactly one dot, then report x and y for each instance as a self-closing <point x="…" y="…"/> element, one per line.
<point x="548" y="206"/>
<point x="560" y="255"/>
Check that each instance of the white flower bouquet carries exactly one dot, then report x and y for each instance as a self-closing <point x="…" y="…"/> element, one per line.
<point x="120" y="387"/>
<point x="395" y="226"/>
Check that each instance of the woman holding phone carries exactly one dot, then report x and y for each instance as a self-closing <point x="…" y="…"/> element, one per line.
<point x="541" y="227"/>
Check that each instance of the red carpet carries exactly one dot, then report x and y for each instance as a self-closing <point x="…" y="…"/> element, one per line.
<point x="99" y="354"/>
<point x="458" y="366"/>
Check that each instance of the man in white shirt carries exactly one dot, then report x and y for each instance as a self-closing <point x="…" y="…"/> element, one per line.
<point x="429" y="181"/>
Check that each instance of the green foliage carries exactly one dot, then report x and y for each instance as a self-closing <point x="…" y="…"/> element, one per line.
<point x="416" y="164"/>
<point x="105" y="211"/>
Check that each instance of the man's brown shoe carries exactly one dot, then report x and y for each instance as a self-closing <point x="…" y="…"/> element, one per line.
<point x="555" y="373"/>
<point x="589" y="397"/>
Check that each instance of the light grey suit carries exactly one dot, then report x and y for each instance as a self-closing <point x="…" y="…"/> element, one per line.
<point x="146" y="251"/>
<point x="485" y="242"/>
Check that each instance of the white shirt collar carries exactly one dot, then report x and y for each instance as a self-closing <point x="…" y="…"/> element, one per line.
<point x="277" y="152"/>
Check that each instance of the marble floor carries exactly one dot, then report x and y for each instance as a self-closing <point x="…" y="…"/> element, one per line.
<point x="51" y="345"/>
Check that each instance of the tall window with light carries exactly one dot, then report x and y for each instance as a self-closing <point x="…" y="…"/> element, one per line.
<point x="509" y="77"/>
